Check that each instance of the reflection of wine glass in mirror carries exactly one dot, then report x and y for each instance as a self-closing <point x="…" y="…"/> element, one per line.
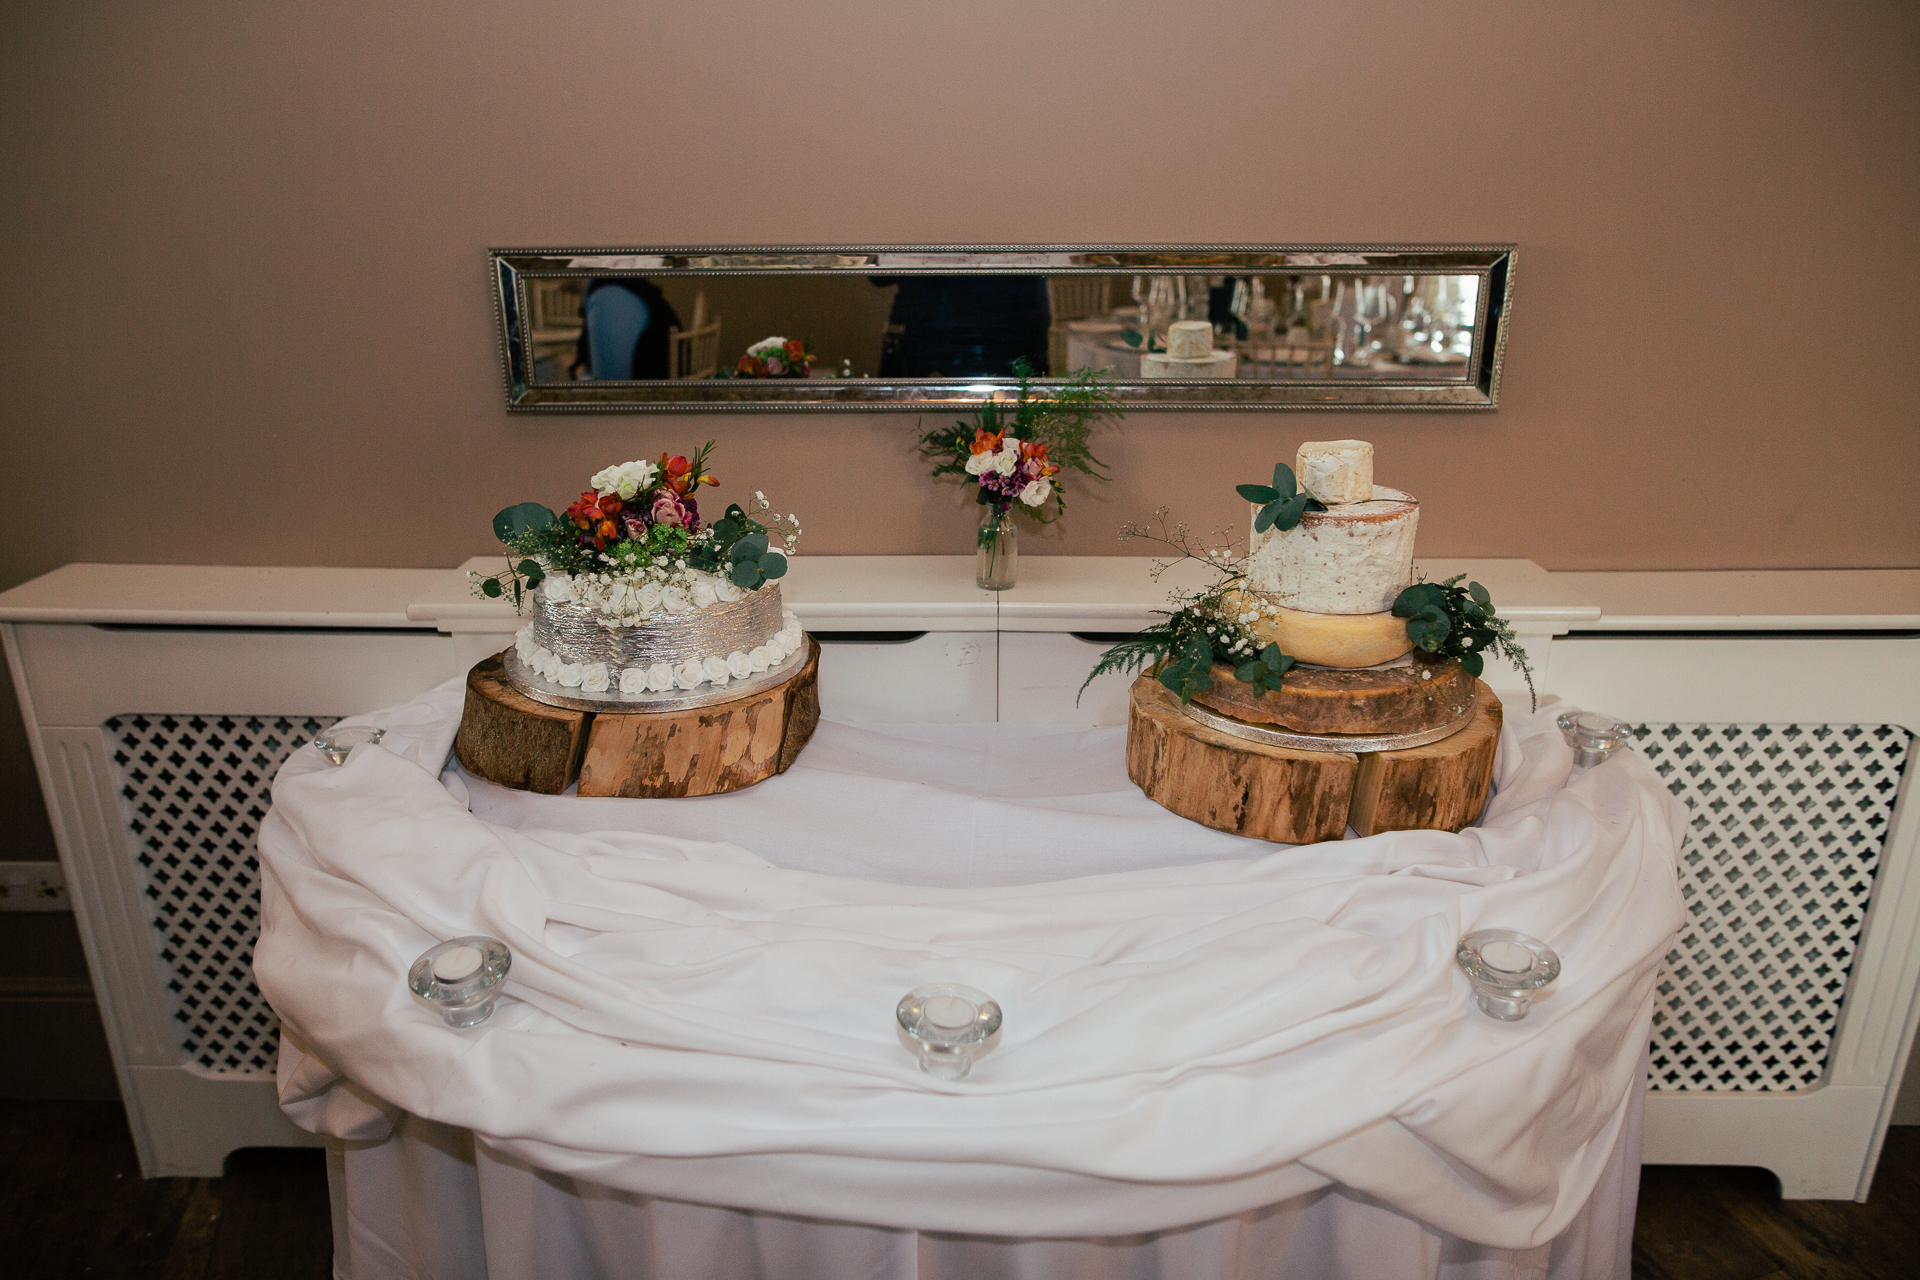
<point x="1369" y="309"/>
<point x="1159" y="311"/>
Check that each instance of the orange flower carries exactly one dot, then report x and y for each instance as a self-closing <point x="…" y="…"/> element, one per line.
<point x="983" y="442"/>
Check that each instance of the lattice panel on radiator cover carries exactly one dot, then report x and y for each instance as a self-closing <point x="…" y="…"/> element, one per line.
<point x="1778" y="864"/>
<point x="196" y="789"/>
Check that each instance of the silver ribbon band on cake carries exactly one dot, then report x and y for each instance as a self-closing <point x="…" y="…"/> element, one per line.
<point x="717" y="630"/>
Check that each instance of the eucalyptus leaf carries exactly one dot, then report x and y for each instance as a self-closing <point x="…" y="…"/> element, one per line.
<point x="490" y="588"/>
<point x="1283" y="482"/>
<point x="751" y="547"/>
<point x="1479" y="594"/>
<point x="745" y="575"/>
<point x="1257" y="493"/>
<point x="773" y="564"/>
<point x="1268" y="514"/>
<point x="1472" y="663"/>
<point x="1251" y="672"/>
<point x="520" y="519"/>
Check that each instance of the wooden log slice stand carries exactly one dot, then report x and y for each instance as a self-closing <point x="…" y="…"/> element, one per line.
<point x="509" y="739"/>
<point x="1301" y="797"/>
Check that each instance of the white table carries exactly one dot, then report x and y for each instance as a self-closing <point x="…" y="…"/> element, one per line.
<point x="1272" y="1044"/>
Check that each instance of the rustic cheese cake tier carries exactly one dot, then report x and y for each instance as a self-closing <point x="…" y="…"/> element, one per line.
<point x="1349" y="559"/>
<point x="1325" y="639"/>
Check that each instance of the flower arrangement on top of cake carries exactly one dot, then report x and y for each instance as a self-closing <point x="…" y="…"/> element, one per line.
<point x="776" y="358"/>
<point x="633" y="592"/>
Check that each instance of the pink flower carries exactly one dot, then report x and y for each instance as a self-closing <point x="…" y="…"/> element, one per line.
<point x="775" y="366"/>
<point x="668" y="510"/>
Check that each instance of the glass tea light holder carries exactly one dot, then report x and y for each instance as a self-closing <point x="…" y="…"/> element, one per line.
<point x="336" y="743"/>
<point x="460" y="979"/>
<point x="1507" y="970"/>
<point x="1593" y="736"/>
<point x="947" y="1023"/>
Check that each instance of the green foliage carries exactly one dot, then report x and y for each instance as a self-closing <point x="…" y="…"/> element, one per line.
<point x="1190" y="670"/>
<point x="1447" y="620"/>
<point x="1282" y="503"/>
<point x="515" y="579"/>
<point x="1265" y="670"/>
<point x="738" y="550"/>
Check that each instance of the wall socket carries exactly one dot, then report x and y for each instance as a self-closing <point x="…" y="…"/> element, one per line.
<point x="33" y="886"/>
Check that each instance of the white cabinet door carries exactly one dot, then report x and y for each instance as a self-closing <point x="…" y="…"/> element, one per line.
<point x="927" y="677"/>
<point x="1040" y="677"/>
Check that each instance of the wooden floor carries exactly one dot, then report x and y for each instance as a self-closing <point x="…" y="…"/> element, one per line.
<point x="78" y="1207"/>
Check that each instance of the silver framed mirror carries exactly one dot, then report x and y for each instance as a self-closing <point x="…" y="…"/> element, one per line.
<point x="930" y="327"/>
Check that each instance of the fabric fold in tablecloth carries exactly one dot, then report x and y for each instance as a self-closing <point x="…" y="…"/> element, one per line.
<point x="1218" y="1027"/>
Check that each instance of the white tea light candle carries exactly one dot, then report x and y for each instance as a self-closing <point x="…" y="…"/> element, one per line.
<point x="458" y="964"/>
<point x="1508" y="957"/>
<point x="948" y="1011"/>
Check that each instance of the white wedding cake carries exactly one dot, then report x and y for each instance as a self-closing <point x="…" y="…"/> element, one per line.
<point x="1325" y="588"/>
<point x="1189" y="354"/>
<point x="634" y="599"/>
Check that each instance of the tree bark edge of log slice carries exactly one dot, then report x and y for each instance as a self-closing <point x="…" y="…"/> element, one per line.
<point x="1302" y="797"/>
<point x="1231" y="784"/>
<point x="509" y="739"/>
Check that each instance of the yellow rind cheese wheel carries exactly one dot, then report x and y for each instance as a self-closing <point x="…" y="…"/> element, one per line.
<point x="1329" y="639"/>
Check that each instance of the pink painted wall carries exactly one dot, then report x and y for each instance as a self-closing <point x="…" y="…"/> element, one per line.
<point x="248" y="321"/>
<point x="245" y="249"/>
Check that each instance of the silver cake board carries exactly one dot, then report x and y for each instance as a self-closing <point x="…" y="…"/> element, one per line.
<point x="1271" y="736"/>
<point x="615" y="703"/>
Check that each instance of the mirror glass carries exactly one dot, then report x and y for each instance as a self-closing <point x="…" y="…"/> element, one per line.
<point x="745" y="329"/>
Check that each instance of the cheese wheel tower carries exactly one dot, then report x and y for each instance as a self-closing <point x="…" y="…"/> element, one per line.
<point x="1325" y="588"/>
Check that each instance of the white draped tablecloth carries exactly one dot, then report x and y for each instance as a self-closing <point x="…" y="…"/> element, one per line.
<point x="1220" y="1057"/>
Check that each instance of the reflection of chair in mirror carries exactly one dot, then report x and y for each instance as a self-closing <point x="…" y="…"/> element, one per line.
<point x="1073" y="298"/>
<point x="695" y="353"/>
<point x="555" y="330"/>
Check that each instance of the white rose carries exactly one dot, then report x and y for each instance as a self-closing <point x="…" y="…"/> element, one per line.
<point x="761" y="658"/>
<point x="605" y="480"/>
<point x="1007" y="459"/>
<point x="570" y="675"/>
<point x="979" y="464"/>
<point x="739" y="666"/>
<point x="594" y="678"/>
<point x="717" y="670"/>
<point x="648" y="597"/>
<point x="689" y="673"/>
<point x="768" y="347"/>
<point x="633" y="680"/>
<point x="1037" y="491"/>
<point x="703" y="593"/>
<point x="726" y="590"/>
<point x="660" y="677"/>
<point x="674" y="600"/>
<point x="558" y="586"/>
<point x="635" y="477"/>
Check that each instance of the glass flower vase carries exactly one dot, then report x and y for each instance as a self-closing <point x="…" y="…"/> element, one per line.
<point x="999" y="558"/>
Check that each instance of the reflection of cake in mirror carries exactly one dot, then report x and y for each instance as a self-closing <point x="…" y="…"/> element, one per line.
<point x="1330" y="581"/>
<point x="1189" y="354"/>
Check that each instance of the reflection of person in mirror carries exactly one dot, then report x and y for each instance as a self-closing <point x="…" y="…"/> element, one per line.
<point x="624" y="327"/>
<point x="964" y="326"/>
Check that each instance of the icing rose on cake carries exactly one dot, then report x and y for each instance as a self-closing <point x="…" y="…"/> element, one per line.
<point x="633" y="680"/>
<point x="689" y="674"/>
<point x="739" y="666"/>
<point x="716" y="669"/>
<point x="660" y="677"/>
<point x="593" y="678"/>
<point x="569" y="675"/>
<point x="761" y="658"/>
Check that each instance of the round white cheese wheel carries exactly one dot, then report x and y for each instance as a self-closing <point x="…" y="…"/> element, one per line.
<point x="1328" y="639"/>
<point x="1350" y="559"/>
<point x="1189" y="339"/>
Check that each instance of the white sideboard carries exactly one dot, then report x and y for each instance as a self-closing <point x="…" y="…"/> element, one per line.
<point x="1781" y="706"/>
